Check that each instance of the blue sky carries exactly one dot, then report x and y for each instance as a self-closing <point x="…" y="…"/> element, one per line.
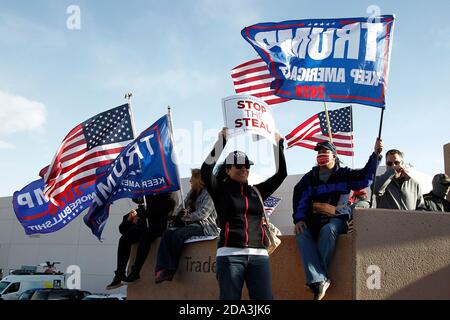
<point x="179" y="53"/>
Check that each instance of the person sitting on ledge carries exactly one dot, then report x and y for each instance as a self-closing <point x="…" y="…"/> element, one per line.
<point x="321" y="211"/>
<point x="198" y="219"/>
<point x="145" y="224"/>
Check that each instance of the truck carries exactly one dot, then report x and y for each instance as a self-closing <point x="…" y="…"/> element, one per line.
<point x="24" y="279"/>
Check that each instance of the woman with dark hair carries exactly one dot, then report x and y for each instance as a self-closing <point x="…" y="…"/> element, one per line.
<point x="241" y="254"/>
<point x="197" y="218"/>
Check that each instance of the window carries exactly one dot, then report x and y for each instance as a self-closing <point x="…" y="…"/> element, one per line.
<point x="3" y="285"/>
<point x="12" y="288"/>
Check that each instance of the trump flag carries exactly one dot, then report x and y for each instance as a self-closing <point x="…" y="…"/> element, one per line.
<point x="145" y="166"/>
<point x="340" y="60"/>
<point x="38" y="215"/>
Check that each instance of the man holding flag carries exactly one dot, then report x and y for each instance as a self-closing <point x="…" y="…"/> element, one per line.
<point x="320" y="210"/>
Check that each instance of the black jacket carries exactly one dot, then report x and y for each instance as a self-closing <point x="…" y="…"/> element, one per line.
<point x="159" y="207"/>
<point x="238" y="206"/>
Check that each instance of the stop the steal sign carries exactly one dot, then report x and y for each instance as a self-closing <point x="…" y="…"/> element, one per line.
<point x="248" y="114"/>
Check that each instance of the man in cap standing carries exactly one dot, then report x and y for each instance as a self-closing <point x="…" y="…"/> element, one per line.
<point x="435" y="200"/>
<point x="321" y="211"/>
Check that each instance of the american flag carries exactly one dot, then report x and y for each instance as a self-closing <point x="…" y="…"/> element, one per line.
<point x="270" y="204"/>
<point x="315" y="130"/>
<point x="93" y="143"/>
<point x="253" y="78"/>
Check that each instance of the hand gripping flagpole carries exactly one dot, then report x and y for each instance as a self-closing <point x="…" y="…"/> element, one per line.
<point x="378" y="152"/>
<point x="128" y="96"/>
<point x="174" y="157"/>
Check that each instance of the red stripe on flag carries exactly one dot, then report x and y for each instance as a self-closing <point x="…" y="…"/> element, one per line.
<point x="301" y="126"/>
<point x="268" y="96"/>
<point x="253" y="79"/>
<point x="248" y="71"/>
<point x="306" y="133"/>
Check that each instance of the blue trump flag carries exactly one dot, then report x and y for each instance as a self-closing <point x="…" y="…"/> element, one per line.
<point x="144" y="167"/>
<point x="38" y="215"/>
<point x="340" y="60"/>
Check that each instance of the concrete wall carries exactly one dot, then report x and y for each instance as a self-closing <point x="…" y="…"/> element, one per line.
<point x="406" y="252"/>
<point x="195" y="278"/>
<point x="411" y="250"/>
<point x="74" y="244"/>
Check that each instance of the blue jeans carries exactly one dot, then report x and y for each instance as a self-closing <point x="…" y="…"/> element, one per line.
<point x="317" y="254"/>
<point x="172" y="244"/>
<point x="232" y="271"/>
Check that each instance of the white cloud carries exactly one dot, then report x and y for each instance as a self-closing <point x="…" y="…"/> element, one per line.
<point x="6" y="145"/>
<point x="20" y="114"/>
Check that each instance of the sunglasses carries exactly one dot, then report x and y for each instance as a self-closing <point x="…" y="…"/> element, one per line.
<point x="240" y="166"/>
<point x="390" y="163"/>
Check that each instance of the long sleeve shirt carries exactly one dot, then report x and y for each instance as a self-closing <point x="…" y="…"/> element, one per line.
<point x="398" y="195"/>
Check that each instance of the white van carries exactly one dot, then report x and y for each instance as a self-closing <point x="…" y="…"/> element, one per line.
<point x="12" y="286"/>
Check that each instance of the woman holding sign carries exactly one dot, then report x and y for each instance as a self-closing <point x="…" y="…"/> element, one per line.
<point x="241" y="253"/>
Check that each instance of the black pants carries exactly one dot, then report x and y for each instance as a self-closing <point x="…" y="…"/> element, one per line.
<point x="145" y="237"/>
<point x="172" y="244"/>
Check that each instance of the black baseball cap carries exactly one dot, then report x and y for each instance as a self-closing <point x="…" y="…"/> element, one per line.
<point x="238" y="157"/>
<point x="441" y="178"/>
<point x="326" y="145"/>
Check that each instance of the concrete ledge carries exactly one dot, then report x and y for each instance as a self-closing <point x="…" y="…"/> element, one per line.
<point x="195" y="278"/>
<point x="411" y="249"/>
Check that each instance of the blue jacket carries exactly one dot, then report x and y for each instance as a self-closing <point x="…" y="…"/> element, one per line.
<point x="342" y="180"/>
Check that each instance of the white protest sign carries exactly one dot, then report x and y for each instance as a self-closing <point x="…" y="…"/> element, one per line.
<point x="248" y="114"/>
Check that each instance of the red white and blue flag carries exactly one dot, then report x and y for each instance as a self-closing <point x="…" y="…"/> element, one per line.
<point x="253" y="78"/>
<point x="91" y="144"/>
<point x="270" y="204"/>
<point x="341" y="60"/>
<point x="315" y="130"/>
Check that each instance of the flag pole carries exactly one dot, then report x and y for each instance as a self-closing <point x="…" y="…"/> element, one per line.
<point x="328" y="121"/>
<point x="128" y="96"/>
<point x="351" y="129"/>
<point x="181" y="194"/>
<point x="375" y="173"/>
